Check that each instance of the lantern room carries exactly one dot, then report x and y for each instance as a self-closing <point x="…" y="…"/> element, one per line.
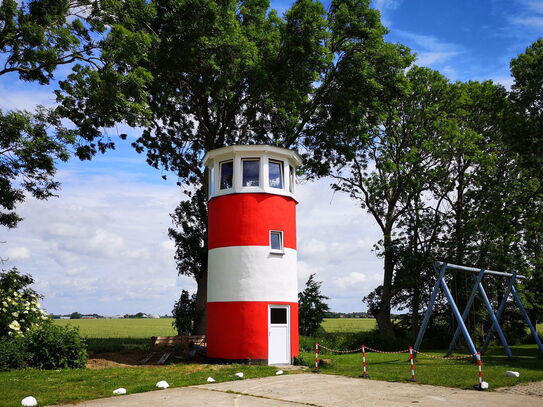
<point x="252" y="261"/>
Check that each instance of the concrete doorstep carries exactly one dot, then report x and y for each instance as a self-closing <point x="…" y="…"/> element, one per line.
<point x="317" y="390"/>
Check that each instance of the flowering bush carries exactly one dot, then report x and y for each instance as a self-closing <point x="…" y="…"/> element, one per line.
<point x="20" y="308"/>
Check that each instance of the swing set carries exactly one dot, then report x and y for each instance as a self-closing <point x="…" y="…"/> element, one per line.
<point x="441" y="269"/>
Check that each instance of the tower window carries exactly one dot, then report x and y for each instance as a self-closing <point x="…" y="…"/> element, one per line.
<point x="276" y="241"/>
<point x="291" y="179"/>
<point x="251" y="172"/>
<point x="227" y="171"/>
<point x="276" y="174"/>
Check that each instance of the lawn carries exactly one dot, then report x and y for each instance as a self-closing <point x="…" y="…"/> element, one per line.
<point x="68" y="386"/>
<point x="451" y="373"/>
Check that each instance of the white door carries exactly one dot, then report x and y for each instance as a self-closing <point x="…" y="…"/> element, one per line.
<point x="278" y="335"/>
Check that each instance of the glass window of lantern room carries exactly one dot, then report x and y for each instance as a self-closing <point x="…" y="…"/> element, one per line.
<point x="227" y="172"/>
<point x="251" y="172"/>
<point x="276" y="241"/>
<point x="276" y="174"/>
<point x="291" y="179"/>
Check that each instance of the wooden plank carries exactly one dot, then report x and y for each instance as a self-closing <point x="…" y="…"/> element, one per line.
<point x="163" y="358"/>
<point x="147" y="358"/>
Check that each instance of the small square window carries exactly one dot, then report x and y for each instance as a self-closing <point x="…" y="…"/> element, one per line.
<point x="276" y="241"/>
<point x="278" y="316"/>
<point x="251" y="172"/>
<point x="227" y="173"/>
<point x="276" y="174"/>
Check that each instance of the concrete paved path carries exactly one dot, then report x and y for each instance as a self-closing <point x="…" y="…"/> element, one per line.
<point x="319" y="391"/>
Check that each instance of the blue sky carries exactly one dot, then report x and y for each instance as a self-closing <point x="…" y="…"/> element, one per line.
<point x="102" y="245"/>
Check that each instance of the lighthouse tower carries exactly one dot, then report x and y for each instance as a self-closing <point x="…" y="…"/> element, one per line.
<point x="252" y="297"/>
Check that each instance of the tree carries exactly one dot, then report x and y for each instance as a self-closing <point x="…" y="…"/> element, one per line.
<point x="311" y="307"/>
<point x="193" y="76"/>
<point x="75" y="315"/>
<point x="184" y="313"/>
<point x="389" y="176"/>
<point x="35" y="38"/>
<point x="28" y="155"/>
<point x="526" y="119"/>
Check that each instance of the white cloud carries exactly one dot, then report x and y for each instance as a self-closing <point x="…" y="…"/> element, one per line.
<point x="24" y="99"/>
<point x="532" y="22"/>
<point x="18" y="253"/>
<point x="102" y="246"/>
<point x="386" y="7"/>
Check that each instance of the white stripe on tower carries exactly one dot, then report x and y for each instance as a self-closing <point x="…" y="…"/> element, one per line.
<point x="251" y="273"/>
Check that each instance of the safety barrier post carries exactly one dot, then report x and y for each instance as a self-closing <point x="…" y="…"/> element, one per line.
<point x="316" y="370"/>
<point x="412" y="363"/>
<point x="364" y="374"/>
<point x="480" y="370"/>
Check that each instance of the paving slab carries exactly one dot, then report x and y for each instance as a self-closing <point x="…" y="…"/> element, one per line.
<point x="332" y="391"/>
<point x="183" y="397"/>
<point x="318" y="390"/>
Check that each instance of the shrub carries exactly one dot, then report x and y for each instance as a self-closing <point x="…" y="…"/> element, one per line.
<point x="184" y="313"/>
<point x="353" y="340"/>
<point x="19" y="306"/>
<point x="12" y="353"/>
<point x="55" y="347"/>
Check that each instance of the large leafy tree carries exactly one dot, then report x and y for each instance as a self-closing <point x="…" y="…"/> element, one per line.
<point x="526" y="121"/>
<point x="36" y="37"/>
<point x="194" y="75"/>
<point x="400" y="163"/>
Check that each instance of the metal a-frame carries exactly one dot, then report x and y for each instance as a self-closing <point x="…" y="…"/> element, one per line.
<point x="441" y="268"/>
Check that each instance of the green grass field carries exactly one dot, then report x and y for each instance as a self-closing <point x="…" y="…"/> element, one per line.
<point x="112" y="335"/>
<point x="348" y="324"/>
<point x="121" y="328"/>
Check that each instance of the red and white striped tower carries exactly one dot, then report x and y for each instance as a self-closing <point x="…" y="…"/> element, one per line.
<point x="252" y="298"/>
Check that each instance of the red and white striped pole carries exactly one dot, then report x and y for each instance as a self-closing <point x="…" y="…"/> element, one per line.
<point x="412" y="363"/>
<point x="316" y="370"/>
<point x="480" y="370"/>
<point x="364" y="368"/>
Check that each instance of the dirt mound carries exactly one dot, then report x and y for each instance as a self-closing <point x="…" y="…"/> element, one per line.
<point x="125" y="358"/>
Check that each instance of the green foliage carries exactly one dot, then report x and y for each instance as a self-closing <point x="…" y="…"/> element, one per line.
<point x="39" y="35"/>
<point x="36" y="37"/>
<point x="184" y="313"/>
<point x="311" y="307"/>
<point x="75" y="315"/>
<point x="20" y="309"/>
<point x="193" y="76"/>
<point x="54" y="347"/>
<point x="526" y="120"/>
<point x="28" y="152"/>
<point x="12" y="353"/>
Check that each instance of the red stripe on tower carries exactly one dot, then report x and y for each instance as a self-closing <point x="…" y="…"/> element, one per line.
<point x="250" y="218"/>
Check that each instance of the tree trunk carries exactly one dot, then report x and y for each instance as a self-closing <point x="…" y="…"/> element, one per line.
<point x="383" y="315"/>
<point x="200" y="321"/>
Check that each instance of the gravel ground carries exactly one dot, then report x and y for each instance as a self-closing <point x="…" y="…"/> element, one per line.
<point x="530" y="389"/>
